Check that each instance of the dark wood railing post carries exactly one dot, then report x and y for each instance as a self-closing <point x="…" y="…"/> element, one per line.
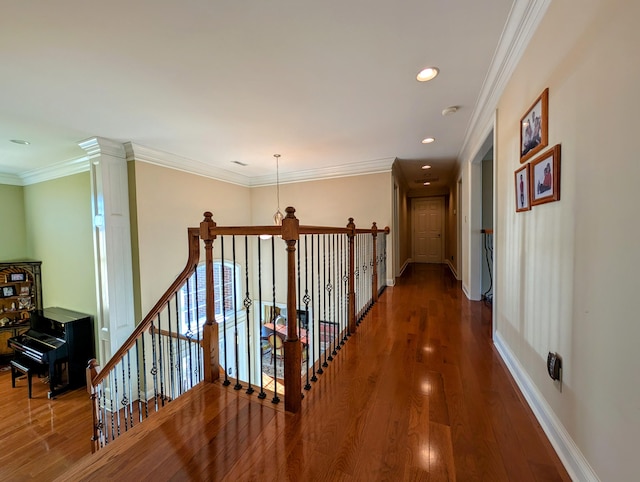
<point x="210" y="329"/>
<point x="374" y="274"/>
<point x="292" y="348"/>
<point x="352" y="268"/>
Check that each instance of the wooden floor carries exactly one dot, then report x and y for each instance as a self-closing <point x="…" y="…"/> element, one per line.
<point x="419" y="393"/>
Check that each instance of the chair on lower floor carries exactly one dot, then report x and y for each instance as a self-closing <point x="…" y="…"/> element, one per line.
<point x="277" y="346"/>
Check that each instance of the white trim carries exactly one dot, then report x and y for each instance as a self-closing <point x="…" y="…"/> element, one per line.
<point x="354" y="169"/>
<point x="519" y="28"/>
<point x="10" y="179"/>
<point x="453" y="270"/>
<point x="56" y="171"/>
<point x="172" y="161"/>
<point x="569" y="453"/>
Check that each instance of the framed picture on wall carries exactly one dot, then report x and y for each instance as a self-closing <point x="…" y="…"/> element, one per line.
<point x="545" y="177"/>
<point x="523" y="199"/>
<point x="534" y="127"/>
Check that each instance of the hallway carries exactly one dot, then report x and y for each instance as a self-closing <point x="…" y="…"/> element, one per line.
<point x="419" y="393"/>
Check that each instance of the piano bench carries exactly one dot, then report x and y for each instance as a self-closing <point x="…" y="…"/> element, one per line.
<point x="24" y="366"/>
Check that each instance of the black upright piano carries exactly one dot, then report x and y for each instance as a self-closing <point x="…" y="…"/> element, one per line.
<point x="61" y="342"/>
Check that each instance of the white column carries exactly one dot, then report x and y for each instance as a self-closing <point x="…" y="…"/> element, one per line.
<point x="112" y="244"/>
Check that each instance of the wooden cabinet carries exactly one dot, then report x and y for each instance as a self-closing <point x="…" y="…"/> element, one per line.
<point x="20" y="296"/>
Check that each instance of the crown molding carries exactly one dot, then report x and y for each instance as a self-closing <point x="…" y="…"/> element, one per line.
<point x="55" y="171"/>
<point x="376" y="166"/>
<point x="10" y="179"/>
<point x="96" y="146"/>
<point x="524" y="18"/>
<point x="172" y="161"/>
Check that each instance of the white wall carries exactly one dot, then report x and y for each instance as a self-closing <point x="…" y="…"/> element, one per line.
<point x="567" y="272"/>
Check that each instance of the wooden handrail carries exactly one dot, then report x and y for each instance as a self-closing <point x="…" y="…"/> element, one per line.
<point x="189" y="269"/>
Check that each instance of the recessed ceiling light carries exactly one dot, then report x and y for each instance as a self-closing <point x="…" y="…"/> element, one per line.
<point x="427" y="74"/>
<point x="426" y="183"/>
<point x="21" y="142"/>
<point x="426" y="166"/>
<point x="428" y="140"/>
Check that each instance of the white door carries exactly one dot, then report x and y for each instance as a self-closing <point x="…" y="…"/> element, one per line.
<point x="428" y="241"/>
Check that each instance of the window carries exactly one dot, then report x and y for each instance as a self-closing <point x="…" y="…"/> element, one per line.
<point x="192" y="296"/>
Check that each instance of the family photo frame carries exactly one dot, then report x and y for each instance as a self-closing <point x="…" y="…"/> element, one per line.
<point x="534" y="127"/>
<point x="544" y="174"/>
<point x="523" y="199"/>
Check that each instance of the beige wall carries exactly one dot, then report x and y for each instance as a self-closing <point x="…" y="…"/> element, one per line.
<point x="167" y="202"/>
<point x="13" y="243"/>
<point x="330" y="202"/>
<point x="567" y="272"/>
<point x="58" y="226"/>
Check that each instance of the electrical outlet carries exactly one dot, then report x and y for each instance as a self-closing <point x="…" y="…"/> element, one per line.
<point x="554" y="365"/>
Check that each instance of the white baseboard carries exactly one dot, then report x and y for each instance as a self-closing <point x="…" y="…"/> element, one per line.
<point x="453" y="270"/>
<point x="404" y="266"/>
<point x="574" y="462"/>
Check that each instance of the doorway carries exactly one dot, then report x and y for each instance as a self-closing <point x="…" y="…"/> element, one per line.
<point x="428" y="223"/>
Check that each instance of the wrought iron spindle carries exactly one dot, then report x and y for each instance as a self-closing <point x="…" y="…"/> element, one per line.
<point x="236" y="341"/>
<point x="306" y="299"/>
<point x="154" y="365"/>
<point x="315" y="320"/>
<point x="262" y="395"/>
<point x="247" y="307"/>
<point x="321" y="341"/>
<point x="275" y="398"/>
<point x="324" y="296"/>
<point x="224" y="314"/>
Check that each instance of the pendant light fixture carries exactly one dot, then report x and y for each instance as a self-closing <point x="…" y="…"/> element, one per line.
<point x="278" y="216"/>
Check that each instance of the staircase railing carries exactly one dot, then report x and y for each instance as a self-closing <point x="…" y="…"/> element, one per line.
<point x="264" y="319"/>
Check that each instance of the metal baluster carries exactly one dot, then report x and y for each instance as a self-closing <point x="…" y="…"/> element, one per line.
<point x="262" y="395"/>
<point x="324" y="297"/>
<point x="178" y="346"/>
<point x="306" y="298"/>
<point x="315" y="325"/>
<point x="102" y="416"/>
<point x="189" y="333"/>
<point x="320" y="371"/>
<point x="247" y="307"/>
<point x="329" y="289"/>
<point x="142" y="377"/>
<point x="130" y="388"/>
<point x="197" y="370"/>
<point x="115" y="384"/>
<point x="336" y="311"/>
<point x="275" y="398"/>
<point x="237" y="386"/>
<point x="124" y="400"/>
<point x="344" y="260"/>
<point x="154" y="365"/>
<point x="160" y="360"/>
<point x="224" y="314"/>
<point x="172" y="381"/>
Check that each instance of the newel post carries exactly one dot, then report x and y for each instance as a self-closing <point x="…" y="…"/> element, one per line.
<point x="351" y="296"/>
<point x="292" y="347"/>
<point x="374" y="281"/>
<point x="210" y="329"/>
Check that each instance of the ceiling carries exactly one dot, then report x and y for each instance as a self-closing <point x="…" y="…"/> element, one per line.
<point x="331" y="86"/>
